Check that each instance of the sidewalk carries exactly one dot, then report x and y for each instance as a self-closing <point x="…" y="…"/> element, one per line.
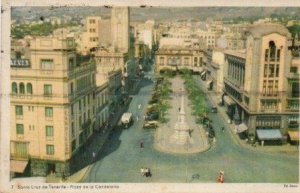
<point x="279" y="149"/>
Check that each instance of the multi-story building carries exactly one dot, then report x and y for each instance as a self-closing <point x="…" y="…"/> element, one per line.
<point x="120" y="28"/>
<point x="178" y="57"/>
<point x="208" y="37"/>
<point x="260" y="90"/>
<point x="52" y="105"/>
<point x="106" y="32"/>
<point x="111" y="67"/>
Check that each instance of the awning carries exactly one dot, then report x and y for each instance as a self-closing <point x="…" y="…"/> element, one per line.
<point x="294" y="135"/>
<point x="18" y="165"/>
<point x="241" y="128"/>
<point x="228" y="100"/>
<point x="268" y="134"/>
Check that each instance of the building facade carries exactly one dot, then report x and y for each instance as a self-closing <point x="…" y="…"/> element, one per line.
<point x="260" y="90"/>
<point x="120" y="28"/>
<point x="52" y="105"/>
<point x="178" y="57"/>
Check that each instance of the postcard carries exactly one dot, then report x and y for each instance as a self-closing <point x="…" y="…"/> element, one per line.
<point x="150" y="96"/>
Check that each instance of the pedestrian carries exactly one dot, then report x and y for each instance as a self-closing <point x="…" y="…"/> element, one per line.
<point x="221" y="177"/>
<point x="139" y="106"/>
<point x="179" y="109"/>
<point x="141" y="144"/>
<point x="214" y="140"/>
<point x="142" y="171"/>
<point x="147" y="172"/>
<point x="94" y="155"/>
<point x="137" y="118"/>
<point x="223" y="129"/>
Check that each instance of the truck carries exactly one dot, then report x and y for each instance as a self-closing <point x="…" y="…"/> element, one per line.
<point x="126" y="120"/>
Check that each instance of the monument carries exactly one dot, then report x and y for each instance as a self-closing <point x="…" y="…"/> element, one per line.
<point x="182" y="133"/>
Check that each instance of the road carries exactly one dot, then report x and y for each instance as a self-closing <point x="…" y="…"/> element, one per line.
<point x="122" y="157"/>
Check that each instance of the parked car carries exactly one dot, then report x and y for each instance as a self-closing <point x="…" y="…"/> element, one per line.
<point x="211" y="132"/>
<point x="214" y="109"/>
<point x="152" y="116"/>
<point x="150" y="125"/>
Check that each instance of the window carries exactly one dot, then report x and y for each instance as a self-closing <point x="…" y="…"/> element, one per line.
<point x="265" y="87"/>
<point x="271" y="70"/>
<point x="73" y="145"/>
<point x="48" y="111"/>
<point x="22" y="88"/>
<point x="14" y="88"/>
<point x="80" y="121"/>
<point x="50" y="149"/>
<point x="20" y="129"/>
<point x="278" y="55"/>
<point x="71" y="87"/>
<point x="92" y="21"/>
<point x="29" y="88"/>
<point x="47" y="64"/>
<point x="265" y="70"/>
<point x="49" y="131"/>
<point x="79" y="105"/>
<point x="277" y="70"/>
<point x="266" y="54"/>
<point x="19" y="110"/>
<point x="195" y="61"/>
<point x="93" y="30"/>
<point x="71" y="63"/>
<point x="47" y="89"/>
<point x="72" y="109"/>
<point x="161" y="61"/>
<point x="272" y="47"/>
<point x="186" y="61"/>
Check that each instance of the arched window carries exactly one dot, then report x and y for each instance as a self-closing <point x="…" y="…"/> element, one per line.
<point x="29" y="88"/>
<point x="22" y="88"/>
<point x="14" y="88"/>
<point x="272" y="47"/>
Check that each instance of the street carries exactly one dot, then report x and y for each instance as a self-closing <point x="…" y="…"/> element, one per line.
<point x="121" y="157"/>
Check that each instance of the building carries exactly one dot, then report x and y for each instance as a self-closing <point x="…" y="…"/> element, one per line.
<point x="214" y="70"/>
<point x="106" y="32"/>
<point x="261" y="86"/>
<point x="120" y="28"/>
<point x="208" y="37"/>
<point x="52" y="105"/>
<point x="111" y="68"/>
<point x="179" y="57"/>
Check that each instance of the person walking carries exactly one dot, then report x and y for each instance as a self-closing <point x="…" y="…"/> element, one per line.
<point x="141" y="144"/>
<point x="223" y="129"/>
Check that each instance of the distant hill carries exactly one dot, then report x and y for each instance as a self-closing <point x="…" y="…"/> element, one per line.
<point x="160" y="14"/>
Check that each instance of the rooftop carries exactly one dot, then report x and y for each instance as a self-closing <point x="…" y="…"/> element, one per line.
<point x="237" y="53"/>
<point x="260" y="30"/>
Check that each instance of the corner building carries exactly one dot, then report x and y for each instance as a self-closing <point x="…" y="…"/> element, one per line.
<point x="261" y="93"/>
<point x="51" y="106"/>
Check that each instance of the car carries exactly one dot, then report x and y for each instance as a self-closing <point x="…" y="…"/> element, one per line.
<point x="126" y="119"/>
<point x="150" y="125"/>
<point x="152" y="116"/>
<point x="214" y="109"/>
<point x="211" y="133"/>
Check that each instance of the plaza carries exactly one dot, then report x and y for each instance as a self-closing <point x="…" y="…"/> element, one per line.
<point x="121" y="157"/>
